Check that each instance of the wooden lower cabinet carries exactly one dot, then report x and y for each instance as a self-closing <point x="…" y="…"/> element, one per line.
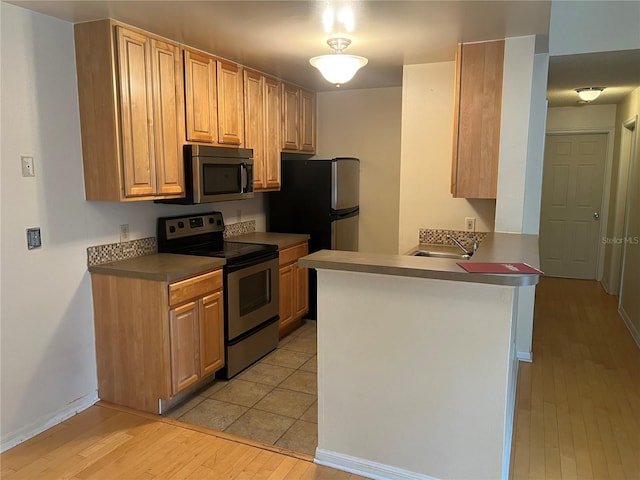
<point x="155" y="339"/>
<point x="294" y="289"/>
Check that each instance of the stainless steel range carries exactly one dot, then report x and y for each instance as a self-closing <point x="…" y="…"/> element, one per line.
<point x="251" y="290"/>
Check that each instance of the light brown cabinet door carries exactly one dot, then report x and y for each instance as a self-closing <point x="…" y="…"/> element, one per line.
<point x="184" y="336"/>
<point x="211" y="334"/>
<point x="136" y="109"/>
<point x="477" y="116"/>
<point x="200" y="97"/>
<point x="290" y="117"/>
<point x="302" y="291"/>
<point x="287" y="295"/>
<point x="168" y="117"/>
<point x="230" y="116"/>
<point x="307" y="121"/>
<point x="272" y="132"/>
<point x="254" y="125"/>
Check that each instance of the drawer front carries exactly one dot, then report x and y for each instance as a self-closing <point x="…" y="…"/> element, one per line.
<point x="291" y="254"/>
<point x="194" y="287"/>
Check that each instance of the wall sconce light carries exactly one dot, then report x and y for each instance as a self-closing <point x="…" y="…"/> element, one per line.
<point x="589" y="94"/>
<point x="338" y="68"/>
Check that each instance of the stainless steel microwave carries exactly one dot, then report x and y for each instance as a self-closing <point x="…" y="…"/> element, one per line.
<point x="216" y="174"/>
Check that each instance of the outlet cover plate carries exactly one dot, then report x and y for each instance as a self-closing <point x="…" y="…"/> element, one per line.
<point x="34" y="240"/>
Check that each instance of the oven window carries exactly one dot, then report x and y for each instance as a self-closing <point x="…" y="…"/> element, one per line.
<point x="221" y="178"/>
<point x="255" y="291"/>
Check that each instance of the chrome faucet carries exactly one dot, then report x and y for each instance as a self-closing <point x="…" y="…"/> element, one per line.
<point x="462" y="247"/>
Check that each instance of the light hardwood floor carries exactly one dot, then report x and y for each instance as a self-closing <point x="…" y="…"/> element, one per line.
<point x="578" y="403"/>
<point x="107" y="442"/>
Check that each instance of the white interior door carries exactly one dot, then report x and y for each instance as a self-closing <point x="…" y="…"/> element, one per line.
<point x="572" y="185"/>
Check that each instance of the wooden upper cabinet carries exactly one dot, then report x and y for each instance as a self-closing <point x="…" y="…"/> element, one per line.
<point x="230" y="104"/>
<point x="214" y="99"/>
<point x="272" y="131"/>
<point x="290" y="117"/>
<point x="254" y="124"/>
<point x="307" y="121"/>
<point x="477" y="117"/>
<point x="130" y="96"/>
<point x="298" y="119"/>
<point x="169" y="122"/>
<point x="200" y="97"/>
<point x="262" y="128"/>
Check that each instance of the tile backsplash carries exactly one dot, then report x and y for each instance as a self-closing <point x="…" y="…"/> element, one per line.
<point x="439" y="237"/>
<point x="113" y="252"/>
<point x="239" y="228"/>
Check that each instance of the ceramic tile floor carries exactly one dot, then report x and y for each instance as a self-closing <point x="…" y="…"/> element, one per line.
<point x="275" y="401"/>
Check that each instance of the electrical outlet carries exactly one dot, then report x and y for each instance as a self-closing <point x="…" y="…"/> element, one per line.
<point x="124" y="233"/>
<point x="470" y="224"/>
<point x="34" y="240"/>
<point x="27" y="166"/>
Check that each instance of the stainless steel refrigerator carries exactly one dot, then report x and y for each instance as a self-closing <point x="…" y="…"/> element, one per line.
<point x="318" y="197"/>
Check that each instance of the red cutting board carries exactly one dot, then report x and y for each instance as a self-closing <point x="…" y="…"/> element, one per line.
<point x="494" y="267"/>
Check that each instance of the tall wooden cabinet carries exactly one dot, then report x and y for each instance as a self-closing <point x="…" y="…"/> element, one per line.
<point x="262" y="110"/>
<point x="294" y="288"/>
<point x="155" y="339"/>
<point x="214" y="99"/>
<point x="298" y="119"/>
<point x="130" y="91"/>
<point x="477" y="117"/>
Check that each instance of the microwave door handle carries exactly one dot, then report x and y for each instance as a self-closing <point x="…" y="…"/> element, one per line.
<point x="245" y="178"/>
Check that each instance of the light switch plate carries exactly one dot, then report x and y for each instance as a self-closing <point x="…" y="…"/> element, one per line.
<point x="34" y="240"/>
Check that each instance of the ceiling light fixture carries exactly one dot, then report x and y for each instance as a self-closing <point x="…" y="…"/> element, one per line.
<point x="589" y="94"/>
<point x="338" y="68"/>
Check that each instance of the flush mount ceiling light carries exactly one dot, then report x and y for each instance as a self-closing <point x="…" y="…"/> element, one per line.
<point x="338" y="68"/>
<point x="589" y="94"/>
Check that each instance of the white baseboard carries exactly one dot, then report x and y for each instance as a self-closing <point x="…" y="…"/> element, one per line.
<point x="365" y="468"/>
<point x="47" y="422"/>
<point x="524" y="356"/>
<point x="632" y="328"/>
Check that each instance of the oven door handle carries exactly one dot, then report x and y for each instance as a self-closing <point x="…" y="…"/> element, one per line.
<point x="254" y="261"/>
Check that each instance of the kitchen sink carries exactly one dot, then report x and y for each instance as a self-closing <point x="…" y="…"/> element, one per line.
<point x="428" y="253"/>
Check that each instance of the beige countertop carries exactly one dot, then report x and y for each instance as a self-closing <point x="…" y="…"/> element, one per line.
<point x="167" y="267"/>
<point x="497" y="247"/>
<point x="282" y="240"/>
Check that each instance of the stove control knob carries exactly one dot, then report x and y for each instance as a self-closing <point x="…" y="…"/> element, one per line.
<point x="211" y="220"/>
<point x="219" y="222"/>
<point x="180" y="224"/>
<point x="172" y="229"/>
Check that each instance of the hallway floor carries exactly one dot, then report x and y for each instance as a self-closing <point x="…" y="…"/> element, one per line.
<point x="274" y="401"/>
<point x="578" y="403"/>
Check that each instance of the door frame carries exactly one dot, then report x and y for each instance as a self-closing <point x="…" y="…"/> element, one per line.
<point x="606" y="187"/>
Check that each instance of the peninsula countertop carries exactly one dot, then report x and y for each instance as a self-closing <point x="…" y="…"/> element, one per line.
<point x="496" y="247"/>
<point x="168" y="267"/>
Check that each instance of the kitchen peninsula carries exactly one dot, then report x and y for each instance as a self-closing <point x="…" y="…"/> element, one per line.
<point x="417" y="361"/>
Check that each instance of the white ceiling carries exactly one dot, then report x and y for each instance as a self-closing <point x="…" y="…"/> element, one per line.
<point x="279" y="37"/>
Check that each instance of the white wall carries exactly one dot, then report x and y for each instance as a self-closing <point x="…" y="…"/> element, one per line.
<point x="514" y="133"/>
<point x="427" y="145"/>
<point x="434" y="400"/>
<point x="366" y="124"/>
<point x="593" y="26"/>
<point x="47" y="345"/>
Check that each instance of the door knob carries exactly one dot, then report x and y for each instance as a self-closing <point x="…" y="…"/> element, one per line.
<point x="596" y="215"/>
